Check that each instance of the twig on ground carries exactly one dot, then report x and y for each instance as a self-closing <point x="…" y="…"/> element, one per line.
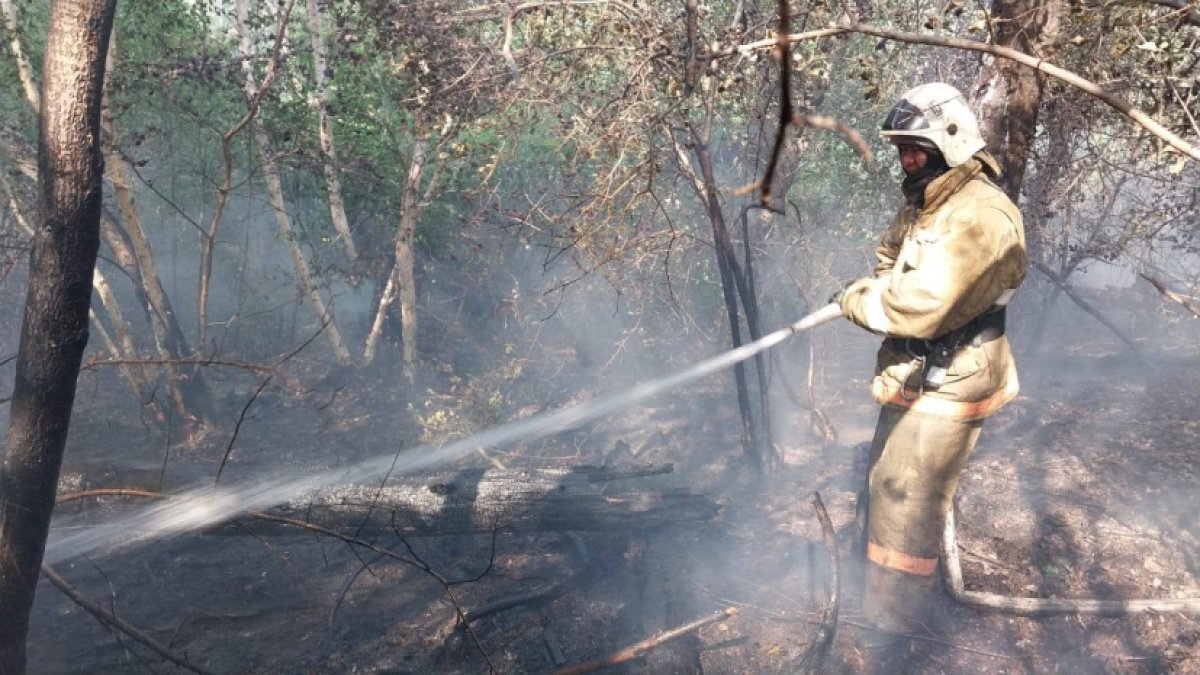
<point x="815" y="654"/>
<point x="112" y="621"/>
<point x="636" y="649"/>
<point x="366" y="565"/>
<point x="92" y="364"/>
<point x="415" y="561"/>
<point x="108" y="492"/>
<point x="985" y="558"/>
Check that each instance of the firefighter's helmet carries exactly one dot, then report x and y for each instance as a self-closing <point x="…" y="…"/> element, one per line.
<point x="935" y="113"/>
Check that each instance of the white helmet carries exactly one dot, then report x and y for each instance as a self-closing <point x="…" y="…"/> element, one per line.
<point x="935" y="113"/>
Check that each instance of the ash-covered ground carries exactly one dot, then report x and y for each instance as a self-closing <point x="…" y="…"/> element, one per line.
<point x="1085" y="486"/>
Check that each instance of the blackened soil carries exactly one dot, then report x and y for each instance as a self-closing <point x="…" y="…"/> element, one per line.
<point x="1086" y="486"/>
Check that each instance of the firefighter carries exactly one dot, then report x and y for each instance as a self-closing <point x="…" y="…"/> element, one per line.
<point x="947" y="266"/>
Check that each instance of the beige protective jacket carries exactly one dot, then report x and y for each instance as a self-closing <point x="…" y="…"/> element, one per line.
<point x="939" y="268"/>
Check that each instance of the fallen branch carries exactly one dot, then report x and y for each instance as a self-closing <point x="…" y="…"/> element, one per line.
<point x="814" y="655"/>
<point x="479" y="501"/>
<point x="636" y="649"/>
<point x="114" y="622"/>
<point x="108" y="492"/>
<point x="1046" y="606"/>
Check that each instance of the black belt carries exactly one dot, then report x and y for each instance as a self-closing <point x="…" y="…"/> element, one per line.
<point x="978" y="331"/>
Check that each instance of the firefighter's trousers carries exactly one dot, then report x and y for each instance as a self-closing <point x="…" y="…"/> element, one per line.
<point x="914" y="469"/>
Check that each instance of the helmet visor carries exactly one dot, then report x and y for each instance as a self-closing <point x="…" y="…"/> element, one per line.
<point x="905" y="117"/>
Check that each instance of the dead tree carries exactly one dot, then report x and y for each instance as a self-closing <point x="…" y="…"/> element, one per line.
<point x="54" y="333"/>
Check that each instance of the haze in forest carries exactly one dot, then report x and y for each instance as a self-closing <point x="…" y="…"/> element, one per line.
<point x="334" y="230"/>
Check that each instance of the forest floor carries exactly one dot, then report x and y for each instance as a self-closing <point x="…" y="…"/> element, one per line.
<point x="1085" y="486"/>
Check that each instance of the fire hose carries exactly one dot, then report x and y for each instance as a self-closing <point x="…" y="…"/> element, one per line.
<point x="1045" y="606"/>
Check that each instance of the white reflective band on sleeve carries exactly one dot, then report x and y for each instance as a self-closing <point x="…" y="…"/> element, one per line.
<point x="1005" y="297"/>
<point x="873" y="308"/>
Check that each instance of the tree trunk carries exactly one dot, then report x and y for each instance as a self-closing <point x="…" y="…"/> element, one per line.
<point x="406" y="290"/>
<point x="24" y="69"/>
<point x="54" y="332"/>
<point x="209" y="238"/>
<point x="137" y="380"/>
<point x="188" y="390"/>
<point x="275" y="193"/>
<point x="320" y="103"/>
<point x="756" y="432"/>
<point x="120" y="344"/>
<point x="385" y="301"/>
<point x="1009" y="94"/>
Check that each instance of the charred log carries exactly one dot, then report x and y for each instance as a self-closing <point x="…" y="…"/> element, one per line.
<point x="484" y="501"/>
<point x="585" y="498"/>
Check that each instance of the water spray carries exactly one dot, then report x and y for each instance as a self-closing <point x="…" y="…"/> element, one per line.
<point x="207" y="505"/>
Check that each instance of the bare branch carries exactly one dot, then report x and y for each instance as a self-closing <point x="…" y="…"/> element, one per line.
<point x="1188" y="302"/>
<point x="227" y="185"/>
<point x="1041" y="65"/>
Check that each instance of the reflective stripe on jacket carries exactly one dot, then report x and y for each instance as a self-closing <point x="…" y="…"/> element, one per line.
<point x="939" y="268"/>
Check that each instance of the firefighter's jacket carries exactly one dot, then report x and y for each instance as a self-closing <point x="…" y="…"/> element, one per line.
<point x="940" y="267"/>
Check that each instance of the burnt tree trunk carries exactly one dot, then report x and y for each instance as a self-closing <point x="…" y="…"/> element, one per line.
<point x="592" y="498"/>
<point x="756" y="433"/>
<point x="54" y="332"/>
<point x="483" y="501"/>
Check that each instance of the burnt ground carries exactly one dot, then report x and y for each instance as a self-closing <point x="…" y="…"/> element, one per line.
<point x="1083" y="487"/>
